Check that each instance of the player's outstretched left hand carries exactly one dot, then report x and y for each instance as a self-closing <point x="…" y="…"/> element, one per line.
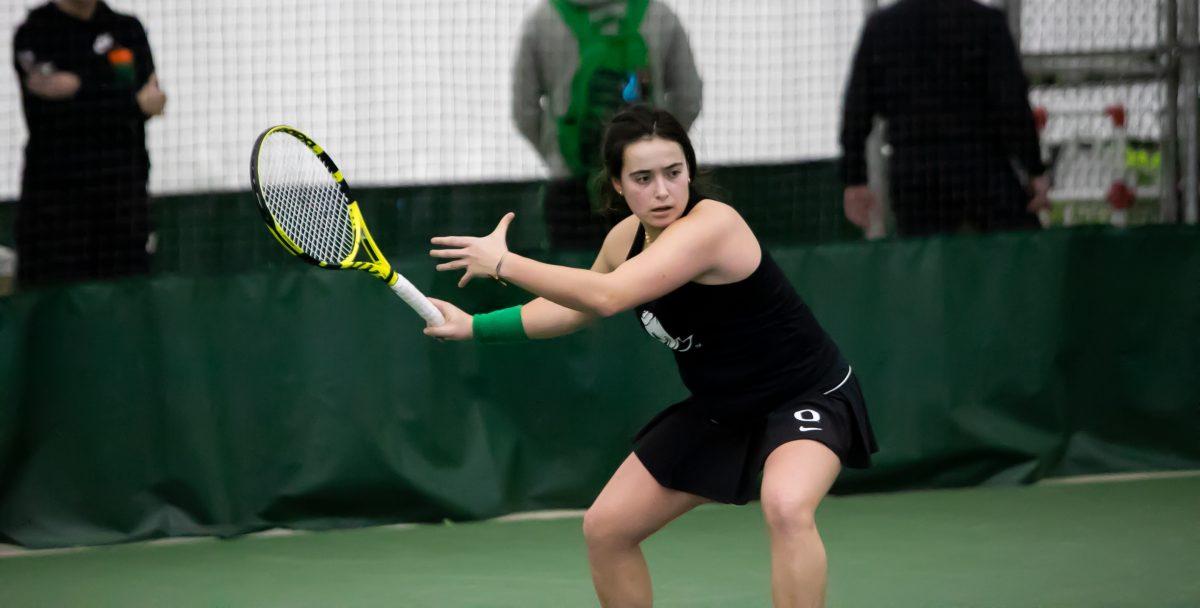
<point x="479" y="256"/>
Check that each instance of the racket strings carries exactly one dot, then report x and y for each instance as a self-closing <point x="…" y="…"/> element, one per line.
<point x="305" y="200"/>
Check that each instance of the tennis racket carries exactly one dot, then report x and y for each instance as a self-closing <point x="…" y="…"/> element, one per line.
<point x="307" y="205"/>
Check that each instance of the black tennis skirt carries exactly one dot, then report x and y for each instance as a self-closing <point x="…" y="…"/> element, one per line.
<point x="685" y="448"/>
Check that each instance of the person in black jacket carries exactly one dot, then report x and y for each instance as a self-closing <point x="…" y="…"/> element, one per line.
<point x="946" y="76"/>
<point x="87" y="86"/>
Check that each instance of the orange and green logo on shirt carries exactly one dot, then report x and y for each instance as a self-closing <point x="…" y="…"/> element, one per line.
<point x="121" y="60"/>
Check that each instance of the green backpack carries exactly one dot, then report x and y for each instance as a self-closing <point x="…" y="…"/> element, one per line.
<point x="606" y="80"/>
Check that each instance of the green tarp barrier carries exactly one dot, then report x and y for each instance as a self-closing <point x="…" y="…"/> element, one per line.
<point x="175" y="405"/>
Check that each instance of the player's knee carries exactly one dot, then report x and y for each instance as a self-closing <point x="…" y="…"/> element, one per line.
<point x="605" y="529"/>
<point x="788" y="515"/>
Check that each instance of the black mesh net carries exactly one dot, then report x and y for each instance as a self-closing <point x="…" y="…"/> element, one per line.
<point x="442" y="115"/>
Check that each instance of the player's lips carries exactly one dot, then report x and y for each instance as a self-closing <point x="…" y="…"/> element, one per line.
<point x="660" y="209"/>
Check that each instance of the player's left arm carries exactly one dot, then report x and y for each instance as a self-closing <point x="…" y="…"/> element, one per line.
<point x="688" y="248"/>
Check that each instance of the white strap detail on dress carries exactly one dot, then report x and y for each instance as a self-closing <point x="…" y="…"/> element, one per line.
<point x="849" y="369"/>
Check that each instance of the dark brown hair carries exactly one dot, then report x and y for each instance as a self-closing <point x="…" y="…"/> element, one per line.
<point x="631" y="125"/>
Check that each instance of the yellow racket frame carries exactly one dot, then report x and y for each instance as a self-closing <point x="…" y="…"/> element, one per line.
<point x="375" y="263"/>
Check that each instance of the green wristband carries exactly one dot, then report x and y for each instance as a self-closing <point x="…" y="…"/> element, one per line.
<point x="500" y="326"/>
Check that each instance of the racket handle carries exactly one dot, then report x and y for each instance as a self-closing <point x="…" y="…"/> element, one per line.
<point x="417" y="301"/>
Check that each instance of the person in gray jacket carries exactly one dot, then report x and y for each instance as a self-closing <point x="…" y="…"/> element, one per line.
<point x="546" y="62"/>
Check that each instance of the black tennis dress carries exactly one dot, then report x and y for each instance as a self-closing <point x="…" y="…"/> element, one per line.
<point x="761" y="373"/>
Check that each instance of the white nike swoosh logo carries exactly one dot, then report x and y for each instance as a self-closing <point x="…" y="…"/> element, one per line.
<point x="810" y="428"/>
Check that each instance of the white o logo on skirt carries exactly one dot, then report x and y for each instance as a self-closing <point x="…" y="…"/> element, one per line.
<point x="808" y="416"/>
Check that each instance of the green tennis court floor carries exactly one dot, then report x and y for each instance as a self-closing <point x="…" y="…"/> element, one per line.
<point x="1115" y="543"/>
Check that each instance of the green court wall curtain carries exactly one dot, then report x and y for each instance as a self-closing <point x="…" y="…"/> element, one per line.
<point x="175" y="405"/>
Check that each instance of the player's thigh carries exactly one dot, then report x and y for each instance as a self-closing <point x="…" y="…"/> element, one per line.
<point x="633" y="505"/>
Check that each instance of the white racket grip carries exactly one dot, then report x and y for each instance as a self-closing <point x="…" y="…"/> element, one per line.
<point x="418" y="301"/>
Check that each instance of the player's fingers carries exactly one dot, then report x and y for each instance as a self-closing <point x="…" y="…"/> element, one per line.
<point x="452" y="241"/>
<point x="455" y="265"/>
<point x="466" y="278"/>
<point x="441" y="332"/>
<point x="447" y="253"/>
<point x="502" y="227"/>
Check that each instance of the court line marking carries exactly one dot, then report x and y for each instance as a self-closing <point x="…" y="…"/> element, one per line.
<point x="547" y="515"/>
<point x="1117" y="477"/>
<point x="19" y="551"/>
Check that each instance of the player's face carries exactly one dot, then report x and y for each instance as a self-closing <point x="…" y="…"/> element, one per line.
<point x="654" y="180"/>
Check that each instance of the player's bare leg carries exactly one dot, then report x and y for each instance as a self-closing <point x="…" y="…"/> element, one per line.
<point x="630" y="508"/>
<point x="796" y="476"/>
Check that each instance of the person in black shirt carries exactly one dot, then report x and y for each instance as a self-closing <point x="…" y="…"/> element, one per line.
<point x="770" y="392"/>
<point x="946" y="76"/>
<point x="88" y="86"/>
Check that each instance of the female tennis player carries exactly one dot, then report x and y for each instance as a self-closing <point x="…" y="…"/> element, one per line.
<point x="770" y="391"/>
